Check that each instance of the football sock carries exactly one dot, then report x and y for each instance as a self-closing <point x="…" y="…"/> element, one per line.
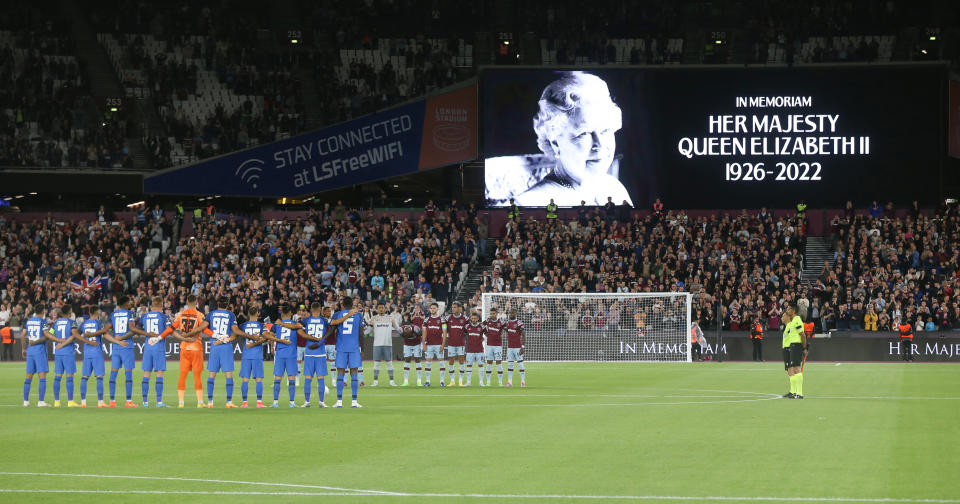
<point x="128" y="382"/>
<point x="145" y="388"/>
<point x="42" y="385"/>
<point x="158" y="386"/>
<point x="83" y="387"/>
<point x="229" y="389"/>
<point x="244" y="390"/>
<point x="307" y="388"/>
<point x="260" y="391"/>
<point x="799" y="383"/>
<point x="292" y="388"/>
<point x="210" y="385"/>
<point x="354" y="386"/>
<point x="26" y="389"/>
<point x="339" y="387"/>
<point x="113" y="385"/>
<point x="70" y="388"/>
<point x="276" y="389"/>
<point x="99" y="388"/>
<point x="56" y="387"/>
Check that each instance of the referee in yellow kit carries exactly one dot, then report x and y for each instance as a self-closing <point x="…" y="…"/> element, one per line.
<point x="794" y="349"/>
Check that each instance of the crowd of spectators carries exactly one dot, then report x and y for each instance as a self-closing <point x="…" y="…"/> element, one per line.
<point x="46" y="116"/>
<point x="333" y="249"/>
<point x="742" y="269"/>
<point x="749" y="265"/>
<point x="48" y="263"/>
<point x="240" y="261"/>
<point x="889" y="269"/>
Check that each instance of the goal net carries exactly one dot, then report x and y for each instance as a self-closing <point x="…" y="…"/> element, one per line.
<point x="627" y="327"/>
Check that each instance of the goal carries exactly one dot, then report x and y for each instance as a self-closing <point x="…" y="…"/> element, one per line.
<point x="626" y="327"/>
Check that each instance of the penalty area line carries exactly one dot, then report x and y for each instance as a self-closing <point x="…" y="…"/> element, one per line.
<point x="708" y="498"/>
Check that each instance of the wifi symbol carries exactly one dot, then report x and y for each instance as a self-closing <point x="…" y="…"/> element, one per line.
<point x="249" y="171"/>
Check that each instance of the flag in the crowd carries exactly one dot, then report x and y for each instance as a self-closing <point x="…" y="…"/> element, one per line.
<point x="86" y="284"/>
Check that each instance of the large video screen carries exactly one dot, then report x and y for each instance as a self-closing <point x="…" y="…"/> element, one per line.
<point x="713" y="137"/>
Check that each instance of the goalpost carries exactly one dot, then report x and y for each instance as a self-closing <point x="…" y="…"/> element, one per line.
<point x="625" y="327"/>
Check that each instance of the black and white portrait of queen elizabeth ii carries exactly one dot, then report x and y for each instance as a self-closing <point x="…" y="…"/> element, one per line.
<point x="576" y="129"/>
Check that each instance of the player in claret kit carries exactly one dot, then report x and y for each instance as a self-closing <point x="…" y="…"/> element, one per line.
<point x="493" y="329"/>
<point x="474" y="334"/>
<point x="515" y="343"/>
<point x="410" y="332"/>
<point x="434" y="339"/>
<point x="63" y="354"/>
<point x="92" y="331"/>
<point x="251" y="362"/>
<point x="34" y="338"/>
<point x="455" y="340"/>
<point x="121" y="321"/>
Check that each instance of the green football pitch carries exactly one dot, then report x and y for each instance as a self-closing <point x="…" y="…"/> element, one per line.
<point x="702" y="432"/>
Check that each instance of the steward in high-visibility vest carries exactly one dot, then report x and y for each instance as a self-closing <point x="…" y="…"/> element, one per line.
<point x="808" y="328"/>
<point x="514" y="210"/>
<point x="696" y="335"/>
<point x="552" y="211"/>
<point x="756" y="337"/>
<point x="801" y="209"/>
<point x="905" y="331"/>
<point x="7" y="334"/>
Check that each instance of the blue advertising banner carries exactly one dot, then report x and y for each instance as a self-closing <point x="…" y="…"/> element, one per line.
<point x="378" y="146"/>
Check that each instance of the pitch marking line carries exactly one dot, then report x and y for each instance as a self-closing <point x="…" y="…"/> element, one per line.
<point x="198" y="480"/>
<point x="709" y="498"/>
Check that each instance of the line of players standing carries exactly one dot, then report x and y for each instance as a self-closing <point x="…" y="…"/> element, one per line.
<point x="190" y="326"/>
<point x="337" y="339"/>
<point x="463" y="340"/>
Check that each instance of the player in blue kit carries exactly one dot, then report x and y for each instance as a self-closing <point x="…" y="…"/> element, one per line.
<point x="285" y="356"/>
<point x="315" y="357"/>
<point x="92" y="333"/>
<point x="251" y="362"/>
<point x="64" y="360"/>
<point x="122" y="355"/>
<point x="349" y="322"/>
<point x="152" y="324"/>
<point x="225" y="330"/>
<point x="35" y="336"/>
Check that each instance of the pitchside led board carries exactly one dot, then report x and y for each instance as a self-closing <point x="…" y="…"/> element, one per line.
<point x="714" y="137"/>
<point x="426" y="134"/>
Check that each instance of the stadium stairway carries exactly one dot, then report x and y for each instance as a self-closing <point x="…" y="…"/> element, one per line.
<point x="471" y="284"/>
<point x="818" y="250"/>
<point x="104" y="82"/>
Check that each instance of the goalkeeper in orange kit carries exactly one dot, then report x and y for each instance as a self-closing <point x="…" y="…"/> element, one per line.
<point x="190" y="322"/>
